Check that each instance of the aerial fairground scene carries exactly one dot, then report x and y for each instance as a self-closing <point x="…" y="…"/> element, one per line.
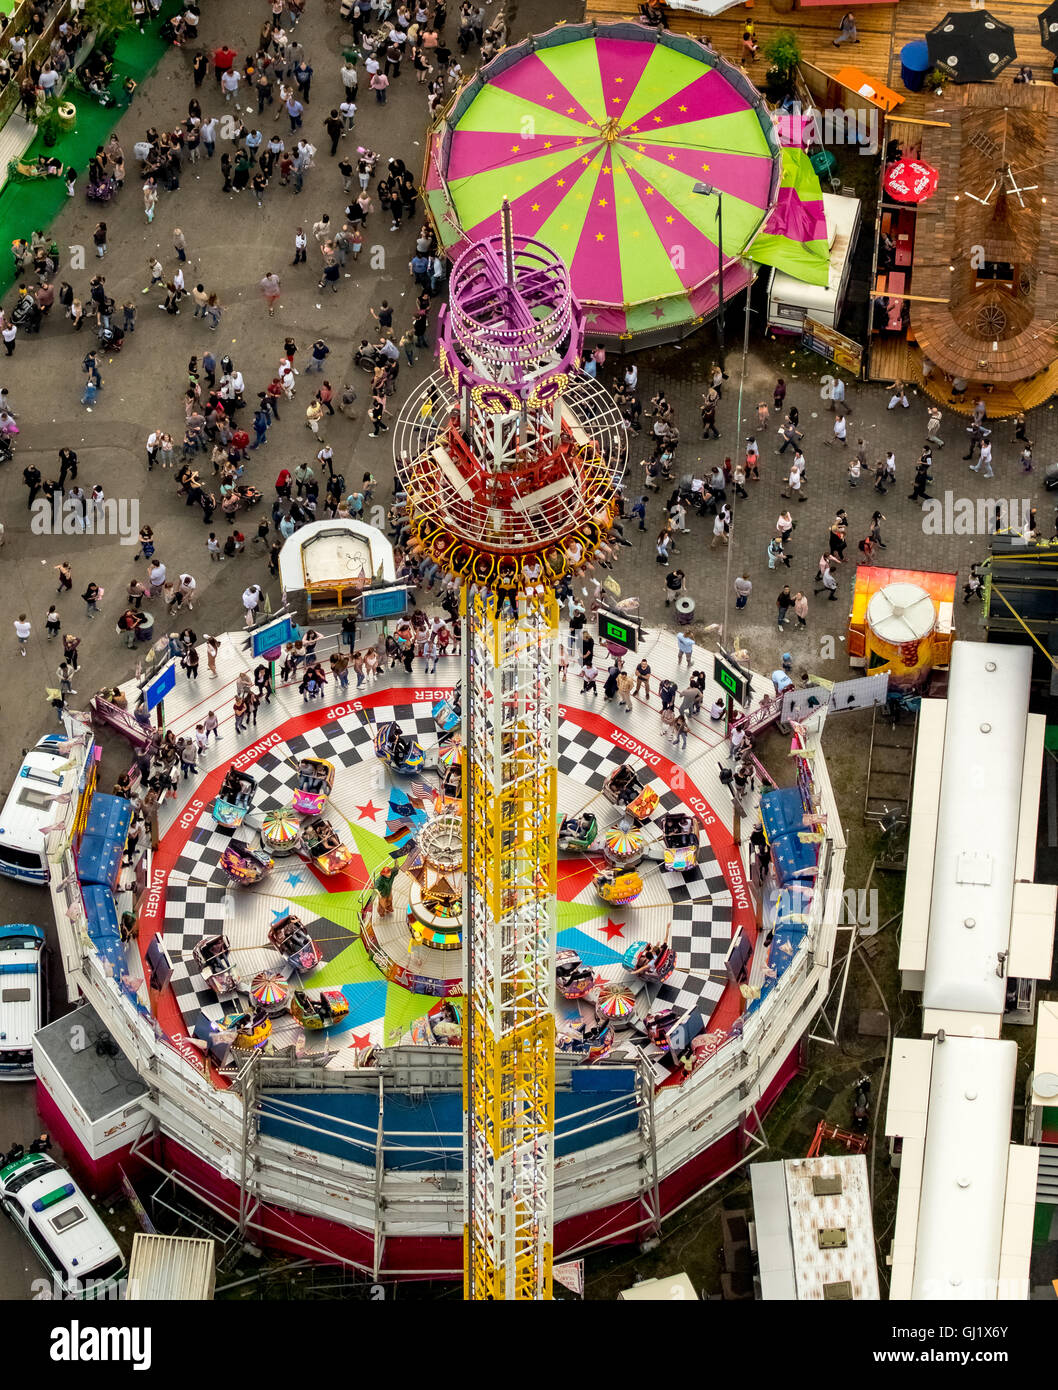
<point x="451" y="848"/>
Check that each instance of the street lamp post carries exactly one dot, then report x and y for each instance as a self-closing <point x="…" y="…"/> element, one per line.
<point x="707" y="188"/>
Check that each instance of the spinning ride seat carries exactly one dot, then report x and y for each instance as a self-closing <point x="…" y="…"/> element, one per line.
<point x="214" y="965"/>
<point x="324" y="1012"/>
<point x="289" y="937"/>
<point x="657" y="1026"/>
<point x="681" y="837"/>
<point x="573" y="979"/>
<point x="234" y="799"/>
<point x="650" y="962"/>
<point x="618" y="888"/>
<point x="315" y="783"/>
<point x="401" y="752"/>
<point x="244" y="865"/>
<point x="443" y="1026"/>
<point x="251" y="1030"/>
<point x="321" y="843"/>
<point x="447" y="714"/>
<point x="623" y="788"/>
<point x="578" y="832"/>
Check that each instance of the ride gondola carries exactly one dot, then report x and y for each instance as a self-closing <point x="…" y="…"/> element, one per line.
<point x="315" y="784"/>
<point x="650" y="961"/>
<point x="448" y="713"/>
<point x="618" y="886"/>
<point x="323" y="1012"/>
<point x="401" y="752"/>
<point x="234" y="799"/>
<point x="289" y="937"/>
<point x="211" y="955"/>
<point x="573" y="978"/>
<point x="320" y="841"/>
<point x="681" y="837"/>
<point x="441" y="1026"/>
<point x="624" y="789"/>
<point x="244" y="865"/>
<point x="578" y="833"/>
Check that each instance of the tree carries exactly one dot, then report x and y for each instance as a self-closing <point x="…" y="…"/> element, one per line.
<point x="108" y="19"/>
<point x="783" y="52"/>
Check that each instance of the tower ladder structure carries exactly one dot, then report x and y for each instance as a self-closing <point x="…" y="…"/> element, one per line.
<point x="509" y="457"/>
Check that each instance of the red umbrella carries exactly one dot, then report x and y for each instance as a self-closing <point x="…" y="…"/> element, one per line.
<point x="910" y="180"/>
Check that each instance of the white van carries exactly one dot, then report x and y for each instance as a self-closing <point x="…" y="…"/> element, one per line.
<point x="59" y="1222"/>
<point x="21" y="998"/>
<point x="47" y="772"/>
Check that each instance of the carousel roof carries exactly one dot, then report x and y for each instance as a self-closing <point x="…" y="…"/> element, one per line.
<point x="988" y="248"/>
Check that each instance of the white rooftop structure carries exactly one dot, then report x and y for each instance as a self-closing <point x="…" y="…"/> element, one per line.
<point x="814" y="1229"/>
<point x="967" y="1194"/>
<point x="972" y="915"/>
<point x="336" y="554"/>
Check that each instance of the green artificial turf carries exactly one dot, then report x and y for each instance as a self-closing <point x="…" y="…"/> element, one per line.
<point x="28" y="204"/>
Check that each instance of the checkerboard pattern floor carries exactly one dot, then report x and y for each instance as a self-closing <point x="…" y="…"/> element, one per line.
<point x="693" y="909"/>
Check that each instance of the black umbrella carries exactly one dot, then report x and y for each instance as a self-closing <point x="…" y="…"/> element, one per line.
<point x="971" y="45"/>
<point x="1049" y="27"/>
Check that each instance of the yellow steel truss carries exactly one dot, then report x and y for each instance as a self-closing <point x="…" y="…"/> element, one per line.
<point x="509" y="927"/>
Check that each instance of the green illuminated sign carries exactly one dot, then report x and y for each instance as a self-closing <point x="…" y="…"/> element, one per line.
<point x="616" y="630"/>
<point x="736" y="685"/>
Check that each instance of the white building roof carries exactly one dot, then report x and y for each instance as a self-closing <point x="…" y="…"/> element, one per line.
<point x="815" y="1233"/>
<point x="966" y="1201"/>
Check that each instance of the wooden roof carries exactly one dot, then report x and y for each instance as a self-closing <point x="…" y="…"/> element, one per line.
<point x="989" y="332"/>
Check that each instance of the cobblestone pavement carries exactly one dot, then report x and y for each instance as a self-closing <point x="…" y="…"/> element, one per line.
<point x="231" y="244"/>
<point x="910" y="532"/>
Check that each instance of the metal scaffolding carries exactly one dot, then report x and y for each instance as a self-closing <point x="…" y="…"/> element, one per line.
<point x="511" y="855"/>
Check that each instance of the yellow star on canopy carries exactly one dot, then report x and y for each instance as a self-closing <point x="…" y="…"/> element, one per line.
<point x="579" y="140"/>
<point x="600" y="236"/>
<point x="570" y="110"/>
<point x="705" y="168"/>
<point x="547" y="144"/>
<point x="650" y="190"/>
<point x="618" y="79"/>
<point x="672" y="156"/>
<point x="683" y="108"/>
<point x="561" y="183"/>
<point x="602" y="202"/>
<point x="657" y="119"/>
<point x="535" y="207"/>
<point x="586" y="159"/>
<point x="641" y="148"/>
<point x="550" y="96"/>
<point x="606" y="168"/>
<point x="515" y="149"/>
<point x="670" y="219"/>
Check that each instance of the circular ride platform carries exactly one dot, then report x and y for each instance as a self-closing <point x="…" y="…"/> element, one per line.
<point x="385" y="974"/>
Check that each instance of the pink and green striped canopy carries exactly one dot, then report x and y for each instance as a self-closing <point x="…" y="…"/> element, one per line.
<point x="597" y="136"/>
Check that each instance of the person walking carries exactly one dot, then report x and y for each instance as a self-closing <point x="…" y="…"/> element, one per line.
<point x="784" y="603"/>
<point x="933" y="420"/>
<point x="642" y="673"/>
<point x="624" y="690"/>
<point x="984" y="460"/>
<point x="847" y="30"/>
<point x="91" y="597"/>
<point x="743" y="588"/>
<point x="23" y="628"/>
<point x="800" y="607"/>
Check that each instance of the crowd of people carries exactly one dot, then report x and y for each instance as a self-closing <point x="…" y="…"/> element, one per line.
<point x="226" y="420"/>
